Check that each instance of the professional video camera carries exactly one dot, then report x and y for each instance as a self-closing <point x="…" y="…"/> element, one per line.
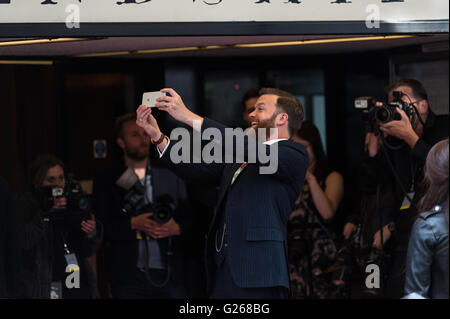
<point x="373" y="114"/>
<point x="163" y="207"/>
<point x="78" y="204"/>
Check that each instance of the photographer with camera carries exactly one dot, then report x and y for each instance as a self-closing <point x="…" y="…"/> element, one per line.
<point x="146" y="215"/>
<point x="401" y="135"/>
<point x="59" y="234"/>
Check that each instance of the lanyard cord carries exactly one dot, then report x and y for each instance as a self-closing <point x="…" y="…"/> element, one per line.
<point x="66" y="248"/>
<point x="397" y="178"/>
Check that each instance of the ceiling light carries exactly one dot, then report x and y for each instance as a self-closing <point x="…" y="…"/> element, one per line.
<point x="41" y="41"/>
<point x="245" y="45"/>
<point x="320" y="41"/>
<point x="26" y="62"/>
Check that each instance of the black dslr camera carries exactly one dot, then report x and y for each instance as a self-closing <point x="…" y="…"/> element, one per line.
<point x="163" y="207"/>
<point x="78" y="207"/>
<point x="385" y="113"/>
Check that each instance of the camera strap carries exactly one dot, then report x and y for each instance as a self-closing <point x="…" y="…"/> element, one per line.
<point x="411" y="103"/>
<point x="397" y="178"/>
<point x="389" y="145"/>
<point x="148" y="175"/>
<point x="168" y="262"/>
<point x="407" y="200"/>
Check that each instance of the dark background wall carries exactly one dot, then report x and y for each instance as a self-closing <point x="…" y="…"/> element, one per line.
<point x="30" y="118"/>
<point x="61" y="109"/>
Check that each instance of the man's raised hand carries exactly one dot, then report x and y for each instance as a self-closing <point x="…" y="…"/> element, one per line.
<point x="174" y="105"/>
<point x="145" y="119"/>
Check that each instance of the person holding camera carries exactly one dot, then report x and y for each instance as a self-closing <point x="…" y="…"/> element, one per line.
<point x="427" y="260"/>
<point x="59" y="233"/>
<point x="146" y="214"/>
<point x="392" y="171"/>
<point x="246" y="249"/>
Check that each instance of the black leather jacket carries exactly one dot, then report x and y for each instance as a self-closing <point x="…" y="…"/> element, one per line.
<point x="427" y="261"/>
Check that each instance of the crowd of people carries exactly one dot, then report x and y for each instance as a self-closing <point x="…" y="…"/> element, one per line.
<point x="268" y="236"/>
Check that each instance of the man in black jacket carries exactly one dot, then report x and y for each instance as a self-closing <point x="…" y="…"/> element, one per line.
<point x="9" y="246"/>
<point x="145" y="256"/>
<point x="402" y="182"/>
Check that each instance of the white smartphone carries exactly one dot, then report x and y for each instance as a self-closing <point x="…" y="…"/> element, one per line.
<point x="149" y="98"/>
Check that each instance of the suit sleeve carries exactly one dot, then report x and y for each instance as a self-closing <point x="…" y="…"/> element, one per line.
<point x="206" y="174"/>
<point x="290" y="163"/>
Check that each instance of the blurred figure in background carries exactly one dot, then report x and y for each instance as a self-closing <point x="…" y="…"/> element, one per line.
<point x="248" y="103"/>
<point x="310" y="236"/>
<point x="144" y="256"/>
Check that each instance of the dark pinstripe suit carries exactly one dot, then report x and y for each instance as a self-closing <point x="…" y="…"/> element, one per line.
<point x="255" y="209"/>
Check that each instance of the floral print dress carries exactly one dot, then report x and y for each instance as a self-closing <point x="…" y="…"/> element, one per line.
<point x="311" y="251"/>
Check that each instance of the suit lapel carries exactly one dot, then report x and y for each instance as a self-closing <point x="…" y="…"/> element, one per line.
<point x="225" y="187"/>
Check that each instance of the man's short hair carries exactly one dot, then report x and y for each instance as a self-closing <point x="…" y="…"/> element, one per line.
<point x="289" y="104"/>
<point x="120" y="121"/>
<point x="417" y="88"/>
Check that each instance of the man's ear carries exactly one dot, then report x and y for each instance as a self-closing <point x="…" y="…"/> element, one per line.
<point x="282" y="119"/>
<point x="120" y="142"/>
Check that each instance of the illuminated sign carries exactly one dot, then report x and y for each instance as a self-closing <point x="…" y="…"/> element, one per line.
<point x="125" y="11"/>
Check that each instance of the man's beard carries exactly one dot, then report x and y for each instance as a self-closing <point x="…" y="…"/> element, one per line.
<point x="266" y="125"/>
<point x="136" y="154"/>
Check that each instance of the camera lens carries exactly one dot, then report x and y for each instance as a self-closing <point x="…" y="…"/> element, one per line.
<point x="382" y="115"/>
<point x="162" y="214"/>
<point x="83" y="203"/>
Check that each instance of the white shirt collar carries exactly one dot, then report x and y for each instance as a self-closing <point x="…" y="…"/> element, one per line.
<point x="274" y="141"/>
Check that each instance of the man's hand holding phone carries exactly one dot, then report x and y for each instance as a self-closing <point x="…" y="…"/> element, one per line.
<point x="174" y="105"/>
